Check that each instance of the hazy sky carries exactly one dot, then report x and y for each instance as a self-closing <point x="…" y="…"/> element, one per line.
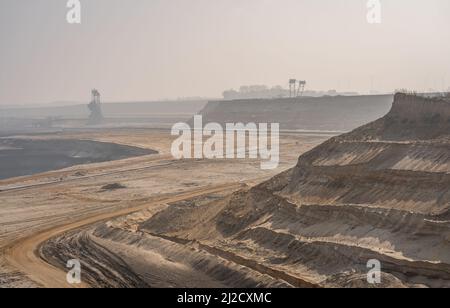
<point x="152" y="49"/>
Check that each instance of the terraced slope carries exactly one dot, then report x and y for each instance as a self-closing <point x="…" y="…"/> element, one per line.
<point x="380" y="192"/>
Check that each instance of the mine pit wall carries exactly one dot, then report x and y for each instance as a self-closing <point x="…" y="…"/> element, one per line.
<point x="413" y="119"/>
<point x="416" y="107"/>
<point x="400" y="161"/>
<point x="425" y="157"/>
<point x="339" y="113"/>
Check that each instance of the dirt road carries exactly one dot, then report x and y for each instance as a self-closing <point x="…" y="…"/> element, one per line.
<point x="24" y="254"/>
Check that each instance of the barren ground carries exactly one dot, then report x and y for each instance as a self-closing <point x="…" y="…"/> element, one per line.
<point x="58" y="215"/>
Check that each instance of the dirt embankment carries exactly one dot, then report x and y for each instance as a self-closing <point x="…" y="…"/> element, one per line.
<point x="114" y="256"/>
<point x="340" y="113"/>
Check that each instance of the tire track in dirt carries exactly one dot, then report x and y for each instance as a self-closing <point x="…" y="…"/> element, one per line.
<point x="24" y="256"/>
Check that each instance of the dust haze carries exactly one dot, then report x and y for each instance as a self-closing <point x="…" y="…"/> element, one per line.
<point x="153" y="50"/>
<point x="97" y="96"/>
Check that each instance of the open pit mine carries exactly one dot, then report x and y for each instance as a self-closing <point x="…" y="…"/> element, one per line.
<point x="380" y="192"/>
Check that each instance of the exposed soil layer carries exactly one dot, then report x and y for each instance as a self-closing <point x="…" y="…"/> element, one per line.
<point x="116" y="258"/>
<point x="19" y="157"/>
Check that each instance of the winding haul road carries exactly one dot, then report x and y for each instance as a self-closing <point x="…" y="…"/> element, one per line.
<point x="24" y="254"/>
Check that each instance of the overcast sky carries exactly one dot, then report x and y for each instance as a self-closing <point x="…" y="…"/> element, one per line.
<point x="153" y="49"/>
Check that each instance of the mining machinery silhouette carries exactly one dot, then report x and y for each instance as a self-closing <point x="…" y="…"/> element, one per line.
<point x="95" y="106"/>
<point x="293" y="90"/>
